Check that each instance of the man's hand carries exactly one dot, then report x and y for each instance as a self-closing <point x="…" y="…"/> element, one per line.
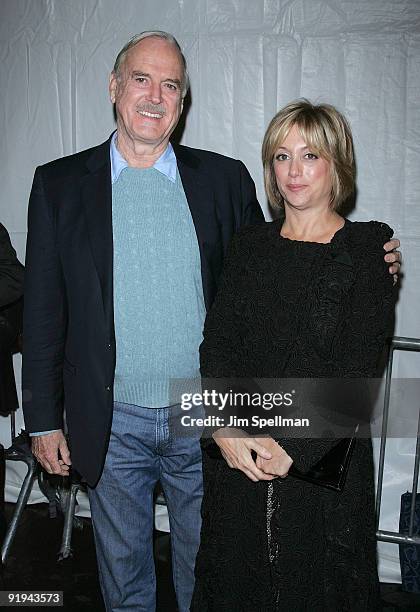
<point x="52" y="452"/>
<point x="236" y="446"/>
<point x="280" y="462"/>
<point x="393" y="257"/>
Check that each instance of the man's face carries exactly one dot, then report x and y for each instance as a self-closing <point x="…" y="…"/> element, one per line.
<point x="147" y="92"/>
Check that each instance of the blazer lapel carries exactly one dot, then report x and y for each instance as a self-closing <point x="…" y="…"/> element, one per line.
<point x="193" y="183"/>
<point x="97" y="200"/>
<point x="199" y="196"/>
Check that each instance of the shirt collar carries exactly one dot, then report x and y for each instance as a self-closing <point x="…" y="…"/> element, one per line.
<point x="166" y="163"/>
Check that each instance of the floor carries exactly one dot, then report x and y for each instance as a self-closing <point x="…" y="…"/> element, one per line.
<point x="32" y="564"/>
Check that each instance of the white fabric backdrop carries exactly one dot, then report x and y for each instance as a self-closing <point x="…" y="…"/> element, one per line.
<point x="246" y="59"/>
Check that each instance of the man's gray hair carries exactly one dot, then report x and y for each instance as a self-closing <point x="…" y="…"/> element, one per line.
<point x="156" y="34"/>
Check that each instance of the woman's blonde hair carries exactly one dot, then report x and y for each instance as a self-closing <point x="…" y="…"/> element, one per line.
<point x="326" y="132"/>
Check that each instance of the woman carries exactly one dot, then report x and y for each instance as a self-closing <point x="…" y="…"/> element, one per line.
<point x="306" y="297"/>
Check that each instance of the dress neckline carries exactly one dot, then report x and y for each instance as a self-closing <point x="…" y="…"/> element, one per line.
<point x="336" y="236"/>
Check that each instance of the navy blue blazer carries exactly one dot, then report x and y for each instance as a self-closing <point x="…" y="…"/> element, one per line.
<point x="69" y="341"/>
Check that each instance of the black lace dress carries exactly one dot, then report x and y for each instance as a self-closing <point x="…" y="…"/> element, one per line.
<point x="294" y="309"/>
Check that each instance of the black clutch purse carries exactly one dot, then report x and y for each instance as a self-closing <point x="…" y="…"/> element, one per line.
<point x="331" y="470"/>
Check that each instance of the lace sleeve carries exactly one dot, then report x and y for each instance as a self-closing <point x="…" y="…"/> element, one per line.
<point x="222" y="330"/>
<point x="370" y="313"/>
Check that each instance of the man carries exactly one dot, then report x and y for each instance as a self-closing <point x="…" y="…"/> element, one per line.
<point x="125" y="249"/>
<point x="150" y="275"/>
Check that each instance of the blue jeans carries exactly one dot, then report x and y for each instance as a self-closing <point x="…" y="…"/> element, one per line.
<point x="141" y="452"/>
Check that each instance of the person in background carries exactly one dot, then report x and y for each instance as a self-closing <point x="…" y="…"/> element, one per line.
<point x="11" y="291"/>
<point x="307" y="297"/>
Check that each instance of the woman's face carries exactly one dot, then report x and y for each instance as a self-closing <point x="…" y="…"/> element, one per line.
<point x="303" y="178"/>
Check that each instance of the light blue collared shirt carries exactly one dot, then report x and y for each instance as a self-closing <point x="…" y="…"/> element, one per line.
<point x="166" y="163"/>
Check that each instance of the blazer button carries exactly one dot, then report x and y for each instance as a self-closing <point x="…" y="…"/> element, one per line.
<point x="109" y="346"/>
<point x="108" y="388"/>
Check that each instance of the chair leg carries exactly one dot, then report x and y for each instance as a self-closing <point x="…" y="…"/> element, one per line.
<point x="70" y="506"/>
<point x="20" y="506"/>
<point x="2" y="514"/>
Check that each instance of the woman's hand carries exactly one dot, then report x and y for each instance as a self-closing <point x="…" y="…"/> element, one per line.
<point x="236" y="446"/>
<point x="280" y="462"/>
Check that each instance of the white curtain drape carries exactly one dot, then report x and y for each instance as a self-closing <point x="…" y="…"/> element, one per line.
<point x="246" y="59"/>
